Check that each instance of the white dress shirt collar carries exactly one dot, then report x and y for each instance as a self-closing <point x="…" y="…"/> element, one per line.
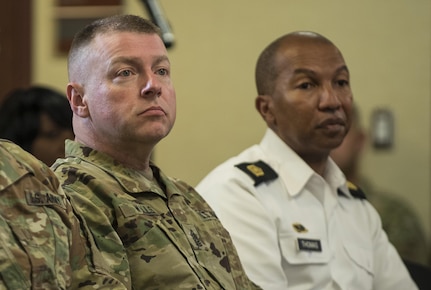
<point x="293" y="170"/>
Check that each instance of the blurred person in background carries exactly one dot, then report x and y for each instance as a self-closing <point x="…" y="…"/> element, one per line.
<point x="39" y="120"/>
<point x="399" y="220"/>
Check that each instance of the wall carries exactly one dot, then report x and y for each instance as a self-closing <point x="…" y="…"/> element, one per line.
<point x="387" y="46"/>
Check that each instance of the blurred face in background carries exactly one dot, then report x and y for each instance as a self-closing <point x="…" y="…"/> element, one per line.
<point x="349" y="154"/>
<point x="49" y="143"/>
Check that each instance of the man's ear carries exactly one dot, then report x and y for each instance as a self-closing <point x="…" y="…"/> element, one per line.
<point x="76" y="99"/>
<point x="264" y="106"/>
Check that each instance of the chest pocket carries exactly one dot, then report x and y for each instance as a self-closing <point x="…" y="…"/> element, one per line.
<point x="363" y="265"/>
<point x="211" y="250"/>
<point x="361" y="257"/>
<point x="157" y="239"/>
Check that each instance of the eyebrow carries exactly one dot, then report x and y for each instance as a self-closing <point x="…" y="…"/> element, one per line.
<point x="137" y="61"/>
<point x="311" y="72"/>
<point x="162" y="58"/>
<point x="127" y="60"/>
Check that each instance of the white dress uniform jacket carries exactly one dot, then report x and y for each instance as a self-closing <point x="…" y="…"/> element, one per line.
<point x="294" y="229"/>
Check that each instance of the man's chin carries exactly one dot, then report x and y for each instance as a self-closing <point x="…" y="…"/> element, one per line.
<point x="334" y="143"/>
<point x="156" y="135"/>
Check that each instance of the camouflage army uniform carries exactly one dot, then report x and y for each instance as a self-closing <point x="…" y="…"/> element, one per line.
<point x="400" y="222"/>
<point x="41" y="243"/>
<point x="172" y="238"/>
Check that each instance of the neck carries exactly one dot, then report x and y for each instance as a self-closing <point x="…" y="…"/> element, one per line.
<point x="317" y="163"/>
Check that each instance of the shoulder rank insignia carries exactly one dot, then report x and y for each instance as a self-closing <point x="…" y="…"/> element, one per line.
<point x="259" y="171"/>
<point x="355" y="191"/>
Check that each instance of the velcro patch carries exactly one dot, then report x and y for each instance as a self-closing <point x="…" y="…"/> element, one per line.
<point x="129" y="210"/>
<point x="193" y="237"/>
<point x="41" y="198"/>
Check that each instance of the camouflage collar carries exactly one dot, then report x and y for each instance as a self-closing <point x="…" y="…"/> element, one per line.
<point x="132" y="181"/>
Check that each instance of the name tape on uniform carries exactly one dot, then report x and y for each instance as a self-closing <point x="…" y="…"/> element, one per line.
<point x="309" y="245"/>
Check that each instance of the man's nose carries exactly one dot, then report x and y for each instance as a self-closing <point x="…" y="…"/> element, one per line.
<point x="151" y="88"/>
<point x="329" y="98"/>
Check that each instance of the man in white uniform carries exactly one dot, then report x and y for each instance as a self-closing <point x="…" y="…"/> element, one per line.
<point x="295" y="220"/>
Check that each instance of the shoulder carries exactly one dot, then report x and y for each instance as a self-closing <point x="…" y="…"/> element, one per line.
<point x="356" y="191"/>
<point x="258" y="171"/>
<point x="237" y="169"/>
<point x="356" y="201"/>
<point x="15" y="163"/>
<point x="16" y="159"/>
<point x="236" y="181"/>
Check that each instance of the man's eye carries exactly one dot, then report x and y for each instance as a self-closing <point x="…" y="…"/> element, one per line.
<point x="162" y="71"/>
<point x="342" y="83"/>
<point x="305" y="86"/>
<point x="125" y="73"/>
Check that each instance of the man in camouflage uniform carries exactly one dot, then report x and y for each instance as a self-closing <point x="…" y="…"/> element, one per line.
<point x="123" y="102"/>
<point x="41" y="243"/>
